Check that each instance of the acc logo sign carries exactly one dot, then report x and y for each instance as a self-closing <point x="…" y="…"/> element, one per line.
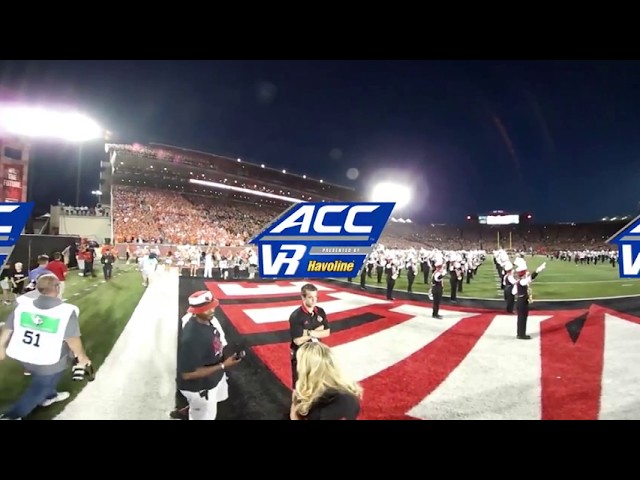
<point x="321" y="240"/>
<point x="13" y="219"/>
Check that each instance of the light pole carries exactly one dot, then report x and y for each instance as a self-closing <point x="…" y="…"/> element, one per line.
<point x="37" y="122"/>
<point x="77" y="204"/>
<point x="97" y="193"/>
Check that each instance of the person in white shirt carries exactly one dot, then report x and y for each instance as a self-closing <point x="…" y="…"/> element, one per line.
<point x="45" y="340"/>
<point x="148" y="264"/>
<point x="208" y="265"/>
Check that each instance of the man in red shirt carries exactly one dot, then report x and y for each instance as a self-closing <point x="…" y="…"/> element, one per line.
<point x="59" y="269"/>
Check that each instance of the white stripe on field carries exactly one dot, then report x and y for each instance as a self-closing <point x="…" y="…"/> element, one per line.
<point x="542" y="282"/>
<point x="372" y="354"/>
<point x="500" y="378"/>
<point x="237" y="290"/>
<point x="620" y="398"/>
<point x="344" y="301"/>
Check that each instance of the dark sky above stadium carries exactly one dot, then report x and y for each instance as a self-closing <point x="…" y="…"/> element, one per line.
<point x="558" y="139"/>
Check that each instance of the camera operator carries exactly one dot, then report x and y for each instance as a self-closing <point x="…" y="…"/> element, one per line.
<point x="201" y="368"/>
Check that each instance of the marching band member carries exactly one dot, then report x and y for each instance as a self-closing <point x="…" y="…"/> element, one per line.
<point x="521" y="292"/>
<point x="460" y="271"/>
<point x="508" y="281"/>
<point x="454" y="278"/>
<point x="411" y="267"/>
<point x="436" y="287"/>
<point x="363" y="273"/>
<point x="426" y="265"/>
<point x="392" y="276"/>
<point x="379" y="267"/>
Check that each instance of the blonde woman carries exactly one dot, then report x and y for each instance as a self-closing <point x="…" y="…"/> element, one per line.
<point x="322" y="392"/>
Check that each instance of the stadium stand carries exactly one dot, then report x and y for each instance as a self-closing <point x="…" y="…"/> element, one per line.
<point x="156" y="201"/>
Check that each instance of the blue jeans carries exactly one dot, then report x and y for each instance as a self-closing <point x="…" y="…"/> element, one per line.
<point x="41" y="388"/>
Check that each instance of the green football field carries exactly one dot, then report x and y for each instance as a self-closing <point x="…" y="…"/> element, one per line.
<point x="559" y="281"/>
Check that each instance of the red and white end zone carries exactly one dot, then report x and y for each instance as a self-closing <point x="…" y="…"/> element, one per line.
<point x="469" y="364"/>
<point x="227" y="290"/>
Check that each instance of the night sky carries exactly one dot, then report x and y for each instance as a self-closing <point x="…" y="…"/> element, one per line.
<point x="558" y="139"/>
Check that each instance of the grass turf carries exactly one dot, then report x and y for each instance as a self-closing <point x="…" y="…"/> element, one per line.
<point x="560" y="281"/>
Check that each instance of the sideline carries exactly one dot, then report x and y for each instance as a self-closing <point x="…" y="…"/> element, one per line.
<point x="137" y="379"/>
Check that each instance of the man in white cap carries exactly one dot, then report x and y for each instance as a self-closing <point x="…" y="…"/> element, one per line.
<point x="201" y="369"/>
<point x="521" y="292"/>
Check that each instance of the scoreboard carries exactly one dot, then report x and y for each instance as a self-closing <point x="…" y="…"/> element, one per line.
<point x="499" y="218"/>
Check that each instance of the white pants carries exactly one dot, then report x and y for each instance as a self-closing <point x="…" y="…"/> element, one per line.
<point x="207" y="408"/>
<point x="61" y="290"/>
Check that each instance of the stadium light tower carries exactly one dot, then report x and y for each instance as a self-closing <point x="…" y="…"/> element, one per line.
<point x="97" y="193"/>
<point x="392" y="192"/>
<point x="42" y="122"/>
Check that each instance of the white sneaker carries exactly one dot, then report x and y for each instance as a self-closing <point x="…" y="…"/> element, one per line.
<point x="60" y="397"/>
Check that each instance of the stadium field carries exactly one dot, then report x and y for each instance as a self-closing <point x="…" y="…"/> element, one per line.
<point x="105" y="309"/>
<point x="560" y="281"/>
<point x="575" y="366"/>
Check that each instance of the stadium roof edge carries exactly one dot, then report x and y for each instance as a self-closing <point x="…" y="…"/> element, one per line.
<point x="613" y="237"/>
<point x="249" y="163"/>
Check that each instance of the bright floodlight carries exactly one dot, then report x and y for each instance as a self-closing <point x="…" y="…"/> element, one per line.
<point x="392" y="192"/>
<point x="47" y="123"/>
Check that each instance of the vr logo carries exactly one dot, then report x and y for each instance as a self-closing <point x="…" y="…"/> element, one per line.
<point x="273" y="267"/>
<point x="628" y="241"/>
<point x="629" y="266"/>
<point x="320" y="240"/>
<point x="13" y="219"/>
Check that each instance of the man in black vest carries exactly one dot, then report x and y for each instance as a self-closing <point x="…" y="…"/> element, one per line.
<point x="392" y="275"/>
<point x="307" y="323"/>
<point x="412" y="267"/>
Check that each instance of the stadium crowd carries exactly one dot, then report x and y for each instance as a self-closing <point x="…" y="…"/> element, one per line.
<point x="153" y="216"/>
<point x="142" y="215"/>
